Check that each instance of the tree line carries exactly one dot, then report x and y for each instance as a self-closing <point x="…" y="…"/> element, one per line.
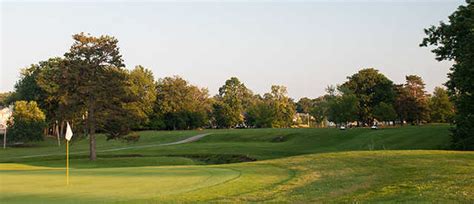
<point x="90" y="87"/>
<point x="368" y="98"/>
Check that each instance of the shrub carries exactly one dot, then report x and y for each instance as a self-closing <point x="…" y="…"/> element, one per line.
<point x="28" y="123"/>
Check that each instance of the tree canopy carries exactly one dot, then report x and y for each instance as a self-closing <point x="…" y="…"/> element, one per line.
<point x="441" y="107"/>
<point x="234" y="97"/>
<point x="180" y="105"/>
<point x="97" y="83"/>
<point x="91" y="88"/>
<point x="455" y="41"/>
<point x="27" y="124"/>
<point x="370" y="87"/>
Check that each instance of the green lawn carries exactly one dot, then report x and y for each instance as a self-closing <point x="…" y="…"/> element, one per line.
<point x="305" y="165"/>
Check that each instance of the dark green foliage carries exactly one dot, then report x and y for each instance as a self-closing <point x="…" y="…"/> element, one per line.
<point x="143" y="87"/>
<point x="260" y="115"/>
<point x="28" y="123"/>
<point x="56" y="105"/>
<point x="5" y="98"/>
<point x="25" y="131"/>
<point x="223" y="114"/>
<point x="234" y="97"/>
<point x="283" y="106"/>
<point x="26" y="89"/>
<point x="412" y="102"/>
<point x="370" y="88"/>
<point x="384" y="112"/>
<point x="455" y="41"/>
<point x="417" y="100"/>
<point x="441" y="108"/>
<point x="342" y="108"/>
<point x="97" y="82"/>
<point x="184" y="120"/>
<point x="156" y="123"/>
<point x="304" y="105"/>
<point x="180" y="105"/>
<point x="319" y="110"/>
<point x="274" y="110"/>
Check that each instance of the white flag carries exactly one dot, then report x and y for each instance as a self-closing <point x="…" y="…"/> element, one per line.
<point x="68" y="132"/>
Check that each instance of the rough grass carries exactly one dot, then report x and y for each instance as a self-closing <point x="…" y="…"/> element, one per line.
<point x="295" y="165"/>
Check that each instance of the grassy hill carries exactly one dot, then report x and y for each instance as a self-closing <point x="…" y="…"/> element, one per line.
<point x="224" y="146"/>
<point x="307" y="165"/>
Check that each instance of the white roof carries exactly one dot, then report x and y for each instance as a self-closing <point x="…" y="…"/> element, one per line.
<point x="5" y="114"/>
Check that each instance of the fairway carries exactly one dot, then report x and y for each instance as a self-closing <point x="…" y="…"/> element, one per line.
<point x="143" y="102"/>
<point x="305" y="165"/>
<point x="439" y="176"/>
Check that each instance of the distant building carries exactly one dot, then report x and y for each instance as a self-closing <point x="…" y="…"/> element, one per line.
<point x="5" y="114"/>
<point x="301" y="120"/>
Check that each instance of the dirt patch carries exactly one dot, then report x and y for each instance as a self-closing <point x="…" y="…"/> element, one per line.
<point x="218" y="158"/>
<point x="279" y="139"/>
<point x="22" y="145"/>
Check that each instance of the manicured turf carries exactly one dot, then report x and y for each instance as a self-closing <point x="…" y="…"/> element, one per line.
<point x="434" y="176"/>
<point x="295" y="165"/>
<point x="259" y="144"/>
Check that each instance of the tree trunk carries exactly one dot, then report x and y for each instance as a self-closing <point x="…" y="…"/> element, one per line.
<point x="91" y="122"/>
<point x="61" y="132"/>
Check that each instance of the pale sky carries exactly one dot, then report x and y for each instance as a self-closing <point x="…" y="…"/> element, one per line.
<point x="304" y="45"/>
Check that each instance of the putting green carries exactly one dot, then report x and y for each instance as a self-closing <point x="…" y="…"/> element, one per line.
<point x="25" y="183"/>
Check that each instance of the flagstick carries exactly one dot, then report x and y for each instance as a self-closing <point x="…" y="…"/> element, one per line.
<point x="67" y="162"/>
<point x="68" y="137"/>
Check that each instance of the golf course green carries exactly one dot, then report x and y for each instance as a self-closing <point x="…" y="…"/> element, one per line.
<point x="403" y="164"/>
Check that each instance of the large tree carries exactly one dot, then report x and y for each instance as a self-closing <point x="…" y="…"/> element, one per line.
<point x="370" y="88"/>
<point x="97" y="81"/>
<point x="223" y="114"/>
<point x="385" y="112"/>
<point x="283" y="106"/>
<point x="260" y="114"/>
<point x="234" y="97"/>
<point x="42" y="83"/>
<point x="55" y="104"/>
<point x="319" y="110"/>
<point x="441" y="108"/>
<point x="180" y="105"/>
<point x="411" y="101"/>
<point x="417" y="99"/>
<point x="455" y="41"/>
<point x="274" y="110"/>
<point x="342" y="108"/>
<point x="304" y="105"/>
<point x="143" y="87"/>
<point x="401" y="103"/>
<point x="26" y="88"/>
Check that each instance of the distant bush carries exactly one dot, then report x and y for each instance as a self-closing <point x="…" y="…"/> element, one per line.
<point x="28" y="123"/>
<point x="131" y="138"/>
